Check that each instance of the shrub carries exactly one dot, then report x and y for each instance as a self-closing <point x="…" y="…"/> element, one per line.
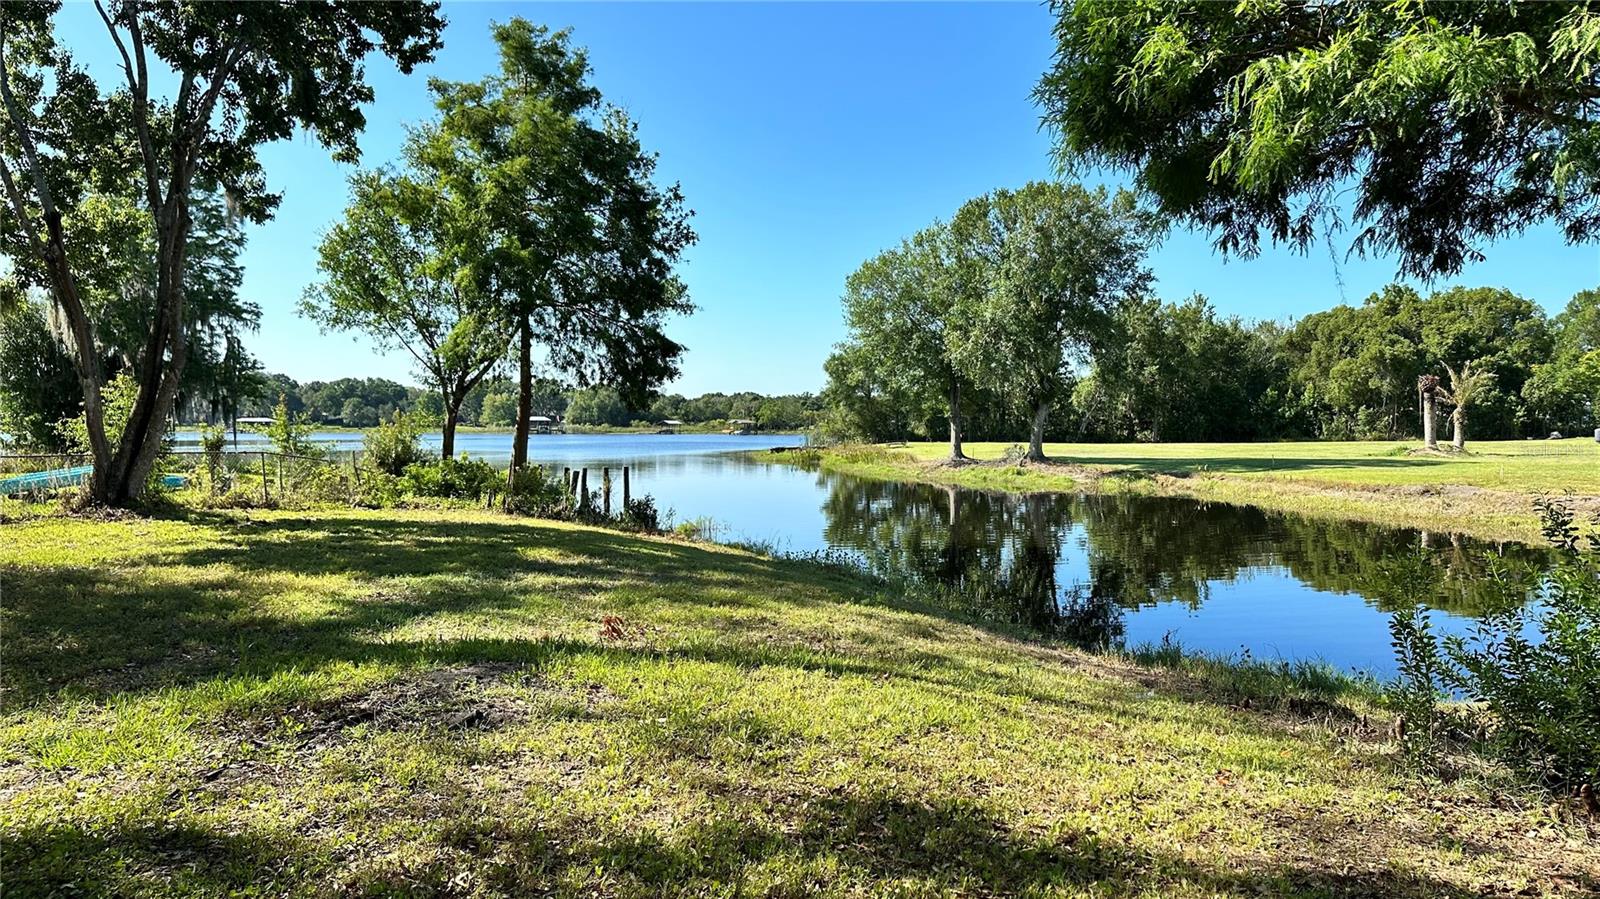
<point x="291" y="434"/>
<point x="461" y="478"/>
<point x="640" y="514"/>
<point x="395" y="444"/>
<point x="1542" y="695"/>
<point x="213" y="439"/>
<point x="117" y="398"/>
<point x="537" y="491"/>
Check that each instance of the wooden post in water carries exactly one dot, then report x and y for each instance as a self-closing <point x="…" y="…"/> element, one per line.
<point x="264" y="497"/>
<point x="627" y="496"/>
<point x="605" y="490"/>
<point x="583" y="490"/>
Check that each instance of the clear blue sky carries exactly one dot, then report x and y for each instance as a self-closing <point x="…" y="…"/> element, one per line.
<point x="807" y="137"/>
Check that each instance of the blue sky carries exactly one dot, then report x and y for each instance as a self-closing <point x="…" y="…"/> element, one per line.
<point x="807" y="137"/>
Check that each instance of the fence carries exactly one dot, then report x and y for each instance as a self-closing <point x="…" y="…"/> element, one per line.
<point x="262" y="475"/>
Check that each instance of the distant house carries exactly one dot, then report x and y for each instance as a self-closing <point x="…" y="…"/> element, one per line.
<point x="741" y="426"/>
<point x="544" y="424"/>
<point x="669" y="426"/>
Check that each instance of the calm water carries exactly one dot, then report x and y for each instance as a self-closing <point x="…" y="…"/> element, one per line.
<point x="1216" y="577"/>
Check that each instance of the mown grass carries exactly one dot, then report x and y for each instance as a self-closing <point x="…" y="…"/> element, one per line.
<point x="1488" y="491"/>
<point x="460" y="703"/>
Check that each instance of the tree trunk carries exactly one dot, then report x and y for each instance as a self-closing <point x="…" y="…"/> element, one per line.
<point x="519" y="442"/>
<point x="447" y="438"/>
<point x="1430" y="424"/>
<point x="955" y="422"/>
<point x="1041" y="415"/>
<point x="1458" y="429"/>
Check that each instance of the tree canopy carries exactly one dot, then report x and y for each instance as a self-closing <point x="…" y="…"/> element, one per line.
<point x="581" y="241"/>
<point x="71" y="152"/>
<point x="388" y="271"/>
<point x="1453" y="123"/>
<point x="1041" y="272"/>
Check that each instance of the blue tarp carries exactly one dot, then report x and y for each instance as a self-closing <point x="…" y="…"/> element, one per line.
<point x="62" y="477"/>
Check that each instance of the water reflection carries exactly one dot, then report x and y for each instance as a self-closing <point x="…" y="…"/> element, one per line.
<point x="1085" y="567"/>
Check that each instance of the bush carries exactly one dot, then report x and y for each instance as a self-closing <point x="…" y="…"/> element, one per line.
<point x="395" y="444"/>
<point x="291" y="434"/>
<point x="538" y="492"/>
<point x="461" y="478"/>
<point x="640" y="514"/>
<point x="1542" y="698"/>
<point x="213" y="440"/>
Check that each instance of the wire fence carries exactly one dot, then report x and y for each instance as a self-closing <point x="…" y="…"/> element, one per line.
<point x="230" y="476"/>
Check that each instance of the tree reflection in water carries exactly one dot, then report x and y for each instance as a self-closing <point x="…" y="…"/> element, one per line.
<point x="1000" y="558"/>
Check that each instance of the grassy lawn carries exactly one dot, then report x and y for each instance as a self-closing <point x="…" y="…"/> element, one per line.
<point x="456" y="703"/>
<point x="1488" y="491"/>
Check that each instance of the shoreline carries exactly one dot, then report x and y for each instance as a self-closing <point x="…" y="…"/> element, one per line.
<point x="1443" y="505"/>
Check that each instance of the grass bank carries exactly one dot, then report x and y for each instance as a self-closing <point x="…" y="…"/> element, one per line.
<point x="1488" y="491"/>
<point x="460" y="703"/>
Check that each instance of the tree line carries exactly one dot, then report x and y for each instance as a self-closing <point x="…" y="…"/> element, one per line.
<point x="492" y="402"/>
<point x="1032" y="312"/>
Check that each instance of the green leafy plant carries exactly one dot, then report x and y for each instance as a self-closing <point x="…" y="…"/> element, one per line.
<point x="537" y="491"/>
<point x="290" y="433"/>
<point x="213" y="439"/>
<point x="461" y="478"/>
<point x="1534" y="668"/>
<point x="1543" y="694"/>
<point x="395" y="444"/>
<point x="116" y="401"/>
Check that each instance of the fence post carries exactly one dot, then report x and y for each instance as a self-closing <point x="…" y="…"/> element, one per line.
<point x="583" y="490"/>
<point x="280" y="475"/>
<point x="265" y="497"/>
<point x="605" y="490"/>
<point x="627" y="496"/>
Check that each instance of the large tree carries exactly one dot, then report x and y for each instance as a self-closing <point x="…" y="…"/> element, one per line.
<point x="581" y="242"/>
<point x="900" y="310"/>
<point x="388" y="271"/>
<point x="1041" y="272"/>
<point x="245" y="74"/>
<point x="1454" y="123"/>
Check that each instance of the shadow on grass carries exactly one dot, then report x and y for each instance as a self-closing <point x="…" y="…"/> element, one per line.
<point x="853" y="843"/>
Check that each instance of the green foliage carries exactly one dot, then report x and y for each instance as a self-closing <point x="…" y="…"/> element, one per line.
<point x="1454" y="123"/>
<point x="499" y="409"/>
<point x="290" y="432"/>
<point x="640" y="515"/>
<point x="117" y="398"/>
<point x="38" y="384"/>
<point x="539" y="492"/>
<point x="588" y="274"/>
<point x="452" y="478"/>
<point x="213" y="440"/>
<point x="1543" y="692"/>
<point x="389" y="271"/>
<point x="96" y="178"/>
<point x="395" y="445"/>
<point x="598" y="406"/>
<point x="1534" y="666"/>
<point x="1039" y="273"/>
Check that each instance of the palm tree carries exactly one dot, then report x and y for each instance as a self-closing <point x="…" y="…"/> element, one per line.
<point x="1466" y="387"/>
<point x="1428" y="393"/>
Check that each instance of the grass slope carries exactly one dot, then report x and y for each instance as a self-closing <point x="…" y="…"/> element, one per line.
<point x="433" y="703"/>
<point x="1488" y="491"/>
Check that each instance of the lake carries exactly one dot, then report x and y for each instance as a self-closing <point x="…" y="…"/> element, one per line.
<point x="1211" y="576"/>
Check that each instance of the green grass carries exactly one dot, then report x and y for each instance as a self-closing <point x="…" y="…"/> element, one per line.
<point x="1488" y="491"/>
<point x="460" y="703"/>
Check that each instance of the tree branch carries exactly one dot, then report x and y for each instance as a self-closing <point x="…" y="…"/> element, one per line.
<point x="138" y="84"/>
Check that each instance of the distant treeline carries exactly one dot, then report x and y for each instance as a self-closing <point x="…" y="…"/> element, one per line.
<point x="364" y="402"/>
<point x="1180" y="372"/>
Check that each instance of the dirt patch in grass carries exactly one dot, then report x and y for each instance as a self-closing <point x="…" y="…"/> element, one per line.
<point x="438" y="699"/>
